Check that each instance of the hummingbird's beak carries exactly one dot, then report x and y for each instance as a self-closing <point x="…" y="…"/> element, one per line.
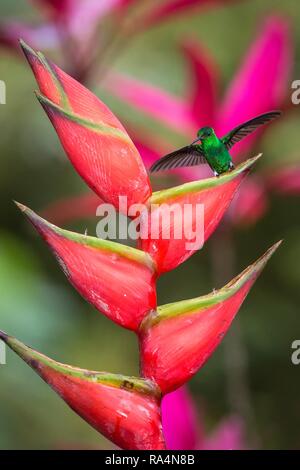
<point x="197" y="140"/>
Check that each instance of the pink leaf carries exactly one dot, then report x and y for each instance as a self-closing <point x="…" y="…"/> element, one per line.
<point x="285" y="180"/>
<point x="250" y="203"/>
<point x="261" y="83"/>
<point x="170" y="110"/>
<point x="203" y="85"/>
<point x="179" y="418"/>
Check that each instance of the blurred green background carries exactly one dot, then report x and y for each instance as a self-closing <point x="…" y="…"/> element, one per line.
<point x="39" y="306"/>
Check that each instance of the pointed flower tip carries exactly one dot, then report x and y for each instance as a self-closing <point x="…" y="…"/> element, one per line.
<point x="3" y="336"/>
<point x="51" y="107"/>
<point x="249" y="163"/>
<point x="42" y="99"/>
<point x="20" y="206"/>
<point x="44" y="102"/>
<point x="252" y="271"/>
<point x="35" y="219"/>
<point x="28" y="50"/>
<point x="186" y="333"/>
<point x="268" y="254"/>
<point x="38" y="222"/>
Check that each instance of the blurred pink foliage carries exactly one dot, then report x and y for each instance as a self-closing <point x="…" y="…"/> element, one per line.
<point x="63" y="20"/>
<point x="183" y="428"/>
<point x="259" y="85"/>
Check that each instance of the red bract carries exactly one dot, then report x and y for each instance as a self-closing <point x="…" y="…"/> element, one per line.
<point x="118" y="280"/>
<point x="250" y="204"/>
<point x="93" y="138"/>
<point x="126" y="410"/>
<point x="214" y="194"/>
<point x="177" y="339"/>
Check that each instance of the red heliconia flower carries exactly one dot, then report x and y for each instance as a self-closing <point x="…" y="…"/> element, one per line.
<point x="178" y="338"/>
<point x="103" y="154"/>
<point x="93" y="138"/>
<point x="175" y="339"/>
<point x="118" y="280"/>
<point x="266" y="65"/>
<point x="214" y="194"/>
<point x="126" y="410"/>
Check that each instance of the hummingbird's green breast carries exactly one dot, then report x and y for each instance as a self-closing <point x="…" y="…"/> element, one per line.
<point x="216" y="154"/>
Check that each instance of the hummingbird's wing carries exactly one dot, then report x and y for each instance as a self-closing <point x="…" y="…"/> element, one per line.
<point x="241" y="131"/>
<point x="185" y="156"/>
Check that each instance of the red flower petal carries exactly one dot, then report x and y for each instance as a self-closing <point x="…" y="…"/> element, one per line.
<point x="123" y="409"/>
<point x="214" y="193"/>
<point x="93" y="138"/>
<point x="177" y="339"/>
<point x="118" y="280"/>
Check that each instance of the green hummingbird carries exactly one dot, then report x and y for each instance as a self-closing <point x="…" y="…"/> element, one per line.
<point x="211" y="149"/>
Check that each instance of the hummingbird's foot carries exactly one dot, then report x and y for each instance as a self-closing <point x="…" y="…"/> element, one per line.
<point x="216" y="174"/>
<point x="231" y="166"/>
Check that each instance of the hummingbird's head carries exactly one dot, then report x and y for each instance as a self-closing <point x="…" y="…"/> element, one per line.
<point x="204" y="133"/>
